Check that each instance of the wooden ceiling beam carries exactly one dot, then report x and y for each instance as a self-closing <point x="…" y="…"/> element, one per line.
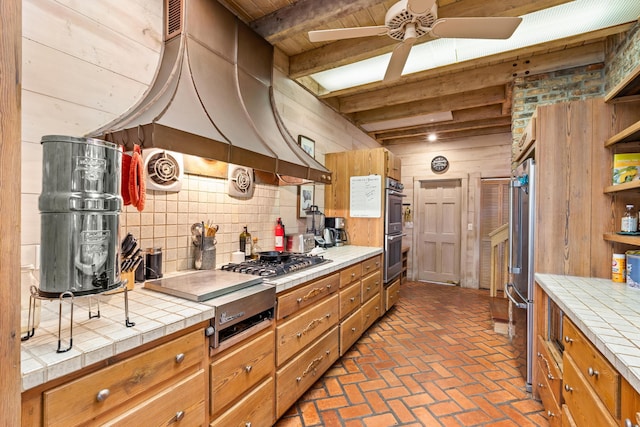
<point x="469" y="80"/>
<point x="468" y="99"/>
<point x="446" y="136"/>
<point x="443" y="127"/>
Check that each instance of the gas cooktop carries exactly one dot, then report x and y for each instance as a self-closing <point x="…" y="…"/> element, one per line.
<point x="262" y="268"/>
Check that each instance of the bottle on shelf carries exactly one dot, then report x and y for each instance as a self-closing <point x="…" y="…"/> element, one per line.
<point x="255" y="249"/>
<point x="629" y="221"/>
<point x="245" y="242"/>
<point x="279" y="236"/>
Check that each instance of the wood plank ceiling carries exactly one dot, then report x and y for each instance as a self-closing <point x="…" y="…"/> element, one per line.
<point x="478" y="93"/>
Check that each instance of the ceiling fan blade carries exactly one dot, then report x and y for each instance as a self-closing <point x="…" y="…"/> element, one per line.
<point x="499" y="27"/>
<point x="347" y="33"/>
<point x="420" y="7"/>
<point x="398" y="60"/>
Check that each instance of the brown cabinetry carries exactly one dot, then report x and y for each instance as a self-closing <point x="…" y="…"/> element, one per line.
<point x="159" y="386"/>
<point x="629" y="405"/>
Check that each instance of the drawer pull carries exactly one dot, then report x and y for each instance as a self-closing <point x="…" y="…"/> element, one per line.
<point x="328" y="315"/>
<point x="551" y="377"/>
<point x="180" y="358"/>
<point x="550" y="414"/>
<point x="568" y="388"/>
<point x="540" y="385"/>
<point x="353" y="329"/>
<point x="329" y="286"/>
<point x="567" y="339"/>
<point x="628" y="423"/>
<point x="179" y="415"/>
<point x="247" y="424"/>
<point x="353" y="275"/>
<point x="248" y="368"/>
<point x="352" y="299"/>
<point x="299" y="300"/>
<point x="592" y="372"/>
<point x="102" y="395"/>
<point x="299" y="334"/>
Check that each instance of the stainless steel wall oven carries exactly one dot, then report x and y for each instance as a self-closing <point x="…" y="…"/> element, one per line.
<point x="393" y="229"/>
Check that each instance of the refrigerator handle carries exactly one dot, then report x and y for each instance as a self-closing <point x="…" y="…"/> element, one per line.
<point x="513" y="300"/>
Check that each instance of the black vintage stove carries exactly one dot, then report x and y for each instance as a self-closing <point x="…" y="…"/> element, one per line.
<point x="263" y="268"/>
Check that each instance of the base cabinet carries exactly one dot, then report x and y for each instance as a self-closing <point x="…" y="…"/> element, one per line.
<point x="391" y="294"/>
<point x="255" y="409"/>
<point x="629" y="405"/>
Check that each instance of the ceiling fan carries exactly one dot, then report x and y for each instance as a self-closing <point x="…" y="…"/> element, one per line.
<point x="407" y="20"/>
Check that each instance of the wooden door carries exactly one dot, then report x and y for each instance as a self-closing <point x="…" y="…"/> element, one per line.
<point x="438" y="231"/>
<point x="494" y="212"/>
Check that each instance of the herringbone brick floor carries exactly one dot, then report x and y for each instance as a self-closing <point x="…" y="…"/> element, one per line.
<point x="432" y="360"/>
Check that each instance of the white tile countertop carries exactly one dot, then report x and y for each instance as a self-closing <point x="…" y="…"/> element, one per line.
<point x="608" y="313"/>
<point x="155" y="315"/>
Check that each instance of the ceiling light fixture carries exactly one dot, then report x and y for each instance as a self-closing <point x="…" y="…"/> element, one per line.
<point x="432" y="137"/>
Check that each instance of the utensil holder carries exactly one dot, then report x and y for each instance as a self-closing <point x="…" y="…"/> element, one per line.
<point x="208" y="253"/>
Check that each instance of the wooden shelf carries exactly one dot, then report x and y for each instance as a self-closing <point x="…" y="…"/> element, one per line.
<point x="628" y="88"/>
<point x="633" y="185"/>
<point x="617" y="238"/>
<point x="630" y="134"/>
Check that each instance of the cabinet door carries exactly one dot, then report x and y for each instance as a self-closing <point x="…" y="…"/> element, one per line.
<point x="236" y="372"/>
<point x="255" y="409"/>
<point x="307" y="295"/>
<point x="391" y="294"/>
<point x="371" y="285"/>
<point x="629" y="406"/>
<point x="180" y="404"/>
<point x="349" y="299"/>
<point x="350" y="331"/>
<point x="298" y="332"/>
<point x="293" y="379"/>
<point x="371" y="311"/>
<point x="92" y="395"/>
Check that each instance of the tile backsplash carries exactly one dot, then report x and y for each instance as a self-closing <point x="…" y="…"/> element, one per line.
<point x="167" y="218"/>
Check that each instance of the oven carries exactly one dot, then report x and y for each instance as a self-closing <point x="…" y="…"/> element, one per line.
<point x="240" y="314"/>
<point x="393" y="230"/>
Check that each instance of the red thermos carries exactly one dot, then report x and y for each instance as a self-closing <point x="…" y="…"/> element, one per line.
<point x="279" y="236"/>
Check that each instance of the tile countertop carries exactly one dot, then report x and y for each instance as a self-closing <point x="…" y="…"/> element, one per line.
<point x="155" y="315"/>
<point x="607" y="313"/>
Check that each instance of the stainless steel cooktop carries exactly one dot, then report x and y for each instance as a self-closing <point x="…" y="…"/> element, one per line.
<point x="203" y="285"/>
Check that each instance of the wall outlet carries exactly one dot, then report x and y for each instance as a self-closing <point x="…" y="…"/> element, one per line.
<point x="470" y="227"/>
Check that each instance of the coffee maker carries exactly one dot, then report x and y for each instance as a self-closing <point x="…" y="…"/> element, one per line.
<point x="338" y="230"/>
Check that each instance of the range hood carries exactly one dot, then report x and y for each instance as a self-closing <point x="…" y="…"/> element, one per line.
<point x="212" y="97"/>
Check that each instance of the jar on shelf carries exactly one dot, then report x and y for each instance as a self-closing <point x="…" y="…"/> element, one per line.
<point x="629" y="223"/>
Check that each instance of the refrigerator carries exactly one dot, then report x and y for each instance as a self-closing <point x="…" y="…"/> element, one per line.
<point x="520" y="289"/>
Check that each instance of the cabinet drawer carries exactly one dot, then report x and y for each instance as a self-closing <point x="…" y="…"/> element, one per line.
<point x="585" y="406"/>
<point x="372" y="264"/>
<point x="549" y="401"/>
<point x="391" y="294"/>
<point x="86" y="398"/>
<point x="371" y="285"/>
<point x="349" y="299"/>
<point x="240" y="370"/>
<point x="350" y="331"/>
<point x="350" y="275"/>
<point x="598" y="372"/>
<point x="306" y="295"/>
<point x="181" y="404"/>
<point x="371" y="311"/>
<point x="549" y="370"/>
<point x="297" y="376"/>
<point x="567" y="419"/>
<point x="301" y="330"/>
<point x="255" y="409"/>
<point x="630" y="405"/>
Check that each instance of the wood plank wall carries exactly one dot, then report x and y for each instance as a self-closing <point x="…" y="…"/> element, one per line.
<point x="10" y="85"/>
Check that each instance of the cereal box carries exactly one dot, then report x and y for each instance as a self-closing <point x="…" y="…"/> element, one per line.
<point x="626" y="168"/>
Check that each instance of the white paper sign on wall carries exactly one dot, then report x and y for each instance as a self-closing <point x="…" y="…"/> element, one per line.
<point x="365" y="196"/>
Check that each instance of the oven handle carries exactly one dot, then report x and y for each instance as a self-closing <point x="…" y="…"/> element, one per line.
<point x="396" y="236"/>
<point x="513" y="300"/>
<point x="395" y="193"/>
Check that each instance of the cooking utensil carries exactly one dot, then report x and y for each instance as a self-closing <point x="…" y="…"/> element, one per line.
<point x="274" y="256"/>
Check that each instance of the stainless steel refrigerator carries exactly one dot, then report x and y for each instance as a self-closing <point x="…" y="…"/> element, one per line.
<point x="520" y="290"/>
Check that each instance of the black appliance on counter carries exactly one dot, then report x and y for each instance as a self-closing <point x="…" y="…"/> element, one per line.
<point x="276" y="267"/>
<point x="521" y="266"/>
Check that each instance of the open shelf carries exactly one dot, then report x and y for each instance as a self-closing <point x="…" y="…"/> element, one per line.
<point x="633" y="185"/>
<point x="627" y="89"/>
<point x="630" y="134"/>
<point x="617" y="238"/>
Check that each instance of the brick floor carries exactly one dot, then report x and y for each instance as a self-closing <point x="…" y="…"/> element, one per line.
<point x="432" y="360"/>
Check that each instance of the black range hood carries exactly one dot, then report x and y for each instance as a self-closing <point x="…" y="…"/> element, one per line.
<point x="212" y="97"/>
